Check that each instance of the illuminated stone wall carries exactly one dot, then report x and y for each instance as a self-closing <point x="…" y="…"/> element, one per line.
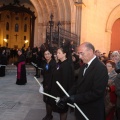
<point x="14" y="39"/>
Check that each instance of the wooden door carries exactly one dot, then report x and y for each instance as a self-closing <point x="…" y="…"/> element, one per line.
<point x="115" y="36"/>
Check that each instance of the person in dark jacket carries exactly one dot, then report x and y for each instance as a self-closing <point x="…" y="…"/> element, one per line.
<point x="3" y="63"/>
<point x="34" y="54"/>
<point x="76" y="65"/>
<point x="117" y="90"/>
<point x="38" y="62"/>
<point x="89" y="90"/>
<point x="49" y="66"/>
<point x="21" y="69"/>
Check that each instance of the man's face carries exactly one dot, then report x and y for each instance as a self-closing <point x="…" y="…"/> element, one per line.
<point x="19" y="53"/>
<point x="97" y="53"/>
<point x="84" y="53"/>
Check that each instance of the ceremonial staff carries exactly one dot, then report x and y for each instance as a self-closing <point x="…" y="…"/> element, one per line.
<point x="2" y="65"/>
<point x="56" y="98"/>
<point x="36" y="65"/>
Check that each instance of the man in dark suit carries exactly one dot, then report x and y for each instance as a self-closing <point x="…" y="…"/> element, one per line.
<point x="89" y="90"/>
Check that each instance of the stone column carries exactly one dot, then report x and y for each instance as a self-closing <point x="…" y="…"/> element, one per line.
<point x="78" y="5"/>
<point x="32" y="26"/>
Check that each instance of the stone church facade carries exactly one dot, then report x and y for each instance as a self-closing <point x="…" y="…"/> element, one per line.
<point x="91" y="20"/>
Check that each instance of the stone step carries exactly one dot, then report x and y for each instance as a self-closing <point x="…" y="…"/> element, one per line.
<point x="12" y="69"/>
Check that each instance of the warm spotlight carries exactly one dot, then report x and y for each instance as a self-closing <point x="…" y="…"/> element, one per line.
<point x="5" y="39"/>
<point x="26" y="41"/>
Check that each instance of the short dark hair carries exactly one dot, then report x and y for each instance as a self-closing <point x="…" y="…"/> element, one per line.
<point x="112" y="63"/>
<point x="65" y="50"/>
<point x="48" y="50"/>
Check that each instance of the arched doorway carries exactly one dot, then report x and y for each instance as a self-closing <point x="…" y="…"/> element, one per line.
<point x="115" y="36"/>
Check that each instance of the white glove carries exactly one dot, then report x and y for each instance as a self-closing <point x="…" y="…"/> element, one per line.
<point x="41" y="89"/>
<point x="58" y="98"/>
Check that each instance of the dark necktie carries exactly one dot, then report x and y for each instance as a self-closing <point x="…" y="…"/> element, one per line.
<point x="86" y="65"/>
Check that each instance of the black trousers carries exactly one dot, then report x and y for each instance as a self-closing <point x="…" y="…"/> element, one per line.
<point x="118" y="113"/>
<point x="2" y="71"/>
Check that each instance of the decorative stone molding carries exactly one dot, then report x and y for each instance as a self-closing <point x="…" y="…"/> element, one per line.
<point x="65" y="22"/>
<point x="113" y="16"/>
<point x="109" y="31"/>
<point x="62" y="23"/>
<point x="79" y="4"/>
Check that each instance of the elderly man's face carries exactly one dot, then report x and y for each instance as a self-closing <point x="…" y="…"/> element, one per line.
<point x="84" y="53"/>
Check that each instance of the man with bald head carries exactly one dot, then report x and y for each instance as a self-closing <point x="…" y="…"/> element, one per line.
<point x="89" y="90"/>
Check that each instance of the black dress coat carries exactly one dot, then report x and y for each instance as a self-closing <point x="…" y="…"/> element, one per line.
<point x="89" y="91"/>
<point x="39" y="58"/>
<point x="64" y="74"/>
<point x="48" y="69"/>
<point x="3" y="61"/>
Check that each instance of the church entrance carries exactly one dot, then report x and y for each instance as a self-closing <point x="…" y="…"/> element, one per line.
<point x="115" y="36"/>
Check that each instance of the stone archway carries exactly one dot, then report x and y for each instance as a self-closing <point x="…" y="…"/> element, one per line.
<point x="61" y="9"/>
<point x="113" y="16"/>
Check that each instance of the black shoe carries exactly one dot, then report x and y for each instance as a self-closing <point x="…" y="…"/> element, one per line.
<point x="48" y="117"/>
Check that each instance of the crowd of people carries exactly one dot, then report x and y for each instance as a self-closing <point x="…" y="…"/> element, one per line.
<point x="90" y="78"/>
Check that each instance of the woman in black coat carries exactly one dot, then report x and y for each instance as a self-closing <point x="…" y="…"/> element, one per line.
<point x="48" y="67"/>
<point x="65" y="75"/>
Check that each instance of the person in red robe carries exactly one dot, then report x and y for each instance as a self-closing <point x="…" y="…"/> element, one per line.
<point x="21" y="69"/>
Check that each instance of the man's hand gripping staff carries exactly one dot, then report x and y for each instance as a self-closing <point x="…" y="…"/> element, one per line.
<point x="70" y="99"/>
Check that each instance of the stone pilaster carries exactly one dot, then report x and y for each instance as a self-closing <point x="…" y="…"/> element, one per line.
<point x="78" y="19"/>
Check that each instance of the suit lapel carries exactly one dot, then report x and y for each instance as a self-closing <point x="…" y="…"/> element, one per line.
<point x="91" y="67"/>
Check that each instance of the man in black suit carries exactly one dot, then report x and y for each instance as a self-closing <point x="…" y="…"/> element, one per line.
<point x="89" y="90"/>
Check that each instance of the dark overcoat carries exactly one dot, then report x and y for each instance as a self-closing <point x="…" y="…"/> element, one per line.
<point x="3" y="61"/>
<point x="65" y="76"/>
<point x="48" y="69"/>
<point x="89" y="91"/>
